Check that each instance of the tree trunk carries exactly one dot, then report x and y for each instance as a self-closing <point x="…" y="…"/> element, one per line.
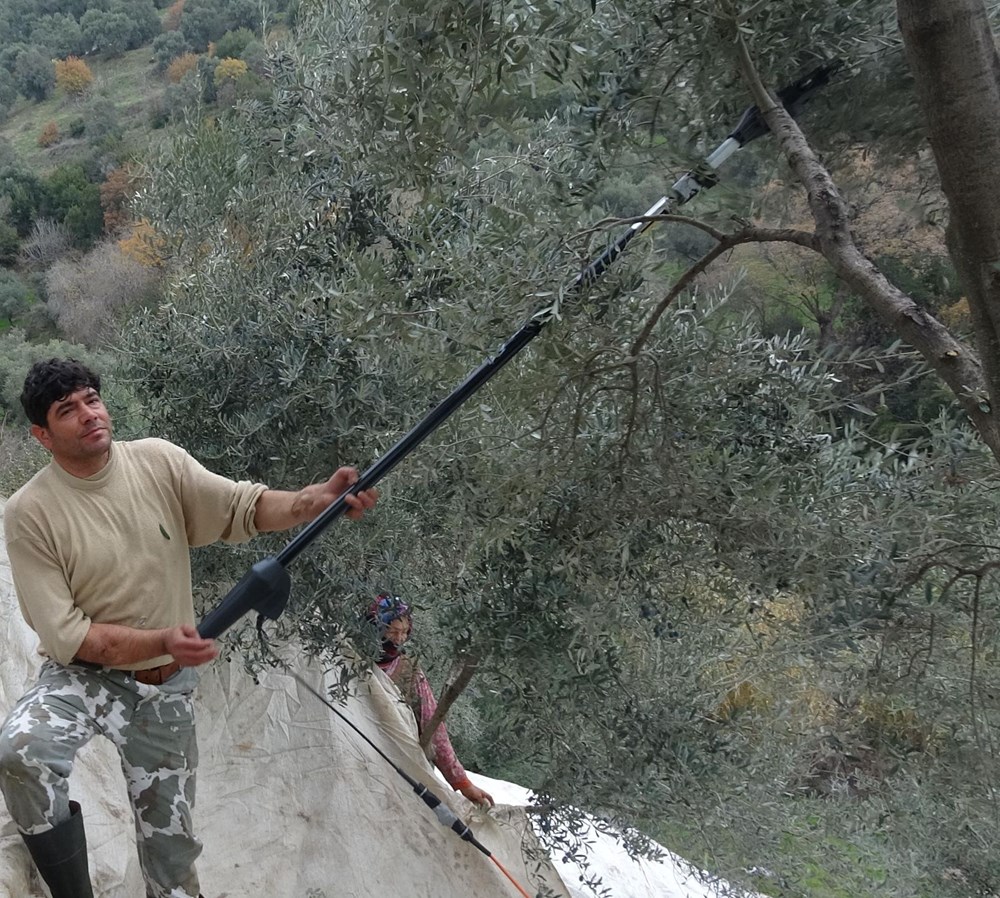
<point x="956" y="70"/>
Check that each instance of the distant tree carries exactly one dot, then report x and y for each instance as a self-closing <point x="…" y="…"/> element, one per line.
<point x="145" y="21"/>
<point x="255" y="56"/>
<point x="87" y="295"/>
<point x="34" y="74"/>
<point x="8" y="157"/>
<point x="116" y="193"/>
<point x="48" y="241"/>
<point x="24" y="193"/>
<point x="75" y="201"/>
<point x="15" y="296"/>
<point x="49" y="135"/>
<point x="37" y="323"/>
<point x="203" y="21"/>
<point x="188" y="62"/>
<point x="59" y="34"/>
<point x="10" y="243"/>
<point x="233" y="43"/>
<point x="73" y="76"/>
<point x="167" y="47"/>
<point x="122" y="27"/>
<point x="206" y="79"/>
<point x="228" y="71"/>
<point x="243" y="14"/>
<point x="8" y="93"/>
<point x="101" y="121"/>
<point x="9" y="54"/>
<point x="107" y="32"/>
<point x="173" y="16"/>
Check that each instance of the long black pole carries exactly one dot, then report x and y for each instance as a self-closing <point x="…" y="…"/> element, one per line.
<point x="266" y="587"/>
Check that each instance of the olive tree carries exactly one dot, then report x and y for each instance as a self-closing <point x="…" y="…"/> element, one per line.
<point x="684" y="575"/>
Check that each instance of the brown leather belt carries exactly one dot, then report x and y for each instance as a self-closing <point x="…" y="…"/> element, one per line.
<point x="155" y="676"/>
<point x="151" y="676"/>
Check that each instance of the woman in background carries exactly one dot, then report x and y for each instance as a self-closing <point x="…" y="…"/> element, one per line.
<point x="393" y="618"/>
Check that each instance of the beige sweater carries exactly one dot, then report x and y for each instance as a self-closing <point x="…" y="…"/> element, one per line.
<point x="114" y="548"/>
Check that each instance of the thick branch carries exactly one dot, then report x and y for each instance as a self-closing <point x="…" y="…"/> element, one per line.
<point x="461" y="674"/>
<point x="954" y="361"/>
<point x="726" y="243"/>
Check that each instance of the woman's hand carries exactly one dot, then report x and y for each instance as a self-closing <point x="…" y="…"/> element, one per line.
<point x="477" y="795"/>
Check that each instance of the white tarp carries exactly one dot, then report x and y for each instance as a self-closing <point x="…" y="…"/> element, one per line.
<point x="293" y="804"/>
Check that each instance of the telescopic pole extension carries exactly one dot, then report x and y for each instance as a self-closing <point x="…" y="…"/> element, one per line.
<point x="265" y="588"/>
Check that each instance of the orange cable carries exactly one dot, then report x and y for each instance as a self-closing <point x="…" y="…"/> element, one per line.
<point x="503" y="870"/>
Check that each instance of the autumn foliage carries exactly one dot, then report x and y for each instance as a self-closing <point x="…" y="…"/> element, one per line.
<point x="73" y="75"/>
<point x="49" y="135"/>
<point x="181" y="66"/>
<point x="116" y="193"/>
<point x="230" y="70"/>
<point x="172" y="18"/>
<point x="144" y="245"/>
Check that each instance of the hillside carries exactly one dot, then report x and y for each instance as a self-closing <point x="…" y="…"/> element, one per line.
<point x="129" y="84"/>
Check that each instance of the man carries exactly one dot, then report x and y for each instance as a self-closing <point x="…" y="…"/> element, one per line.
<point x="99" y="548"/>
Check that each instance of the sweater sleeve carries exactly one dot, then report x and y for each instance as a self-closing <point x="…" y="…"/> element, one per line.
<point x="45" y="598"/>
<point x="444" y="755"/>
<point x="215" y="507"/>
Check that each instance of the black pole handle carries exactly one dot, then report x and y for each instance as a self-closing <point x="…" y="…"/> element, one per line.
<point x="264" y="588"/>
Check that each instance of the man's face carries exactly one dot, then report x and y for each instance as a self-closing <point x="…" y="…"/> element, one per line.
<point x="77" y="430"/>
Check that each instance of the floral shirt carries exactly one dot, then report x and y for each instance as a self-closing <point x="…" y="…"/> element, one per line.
<point x="412" y="683"/>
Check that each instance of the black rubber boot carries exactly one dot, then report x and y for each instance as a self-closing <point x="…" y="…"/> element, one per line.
<point x="61" y="857"/>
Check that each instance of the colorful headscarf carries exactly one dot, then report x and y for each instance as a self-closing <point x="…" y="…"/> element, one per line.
<point x="383" y="611"/>
<point x="386" y="608"/>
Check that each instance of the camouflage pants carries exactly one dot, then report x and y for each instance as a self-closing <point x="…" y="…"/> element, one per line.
<point x="153" y="729"/>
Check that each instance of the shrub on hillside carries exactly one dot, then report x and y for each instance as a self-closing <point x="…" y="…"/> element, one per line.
<point x="8" y="93"/>
<point x="75" y="200"/>
<point x="49" y="135"/>
<point x="176" y="71"/>
<point x="15" y="296"/>
<point x="229" y="71"/>
<point x="10" y="243"/>
<point x="101" y="121"/>
<point x="107" y="32"/>
<point x="47" y="241"/>
<point x="167" y="47"/>
<point x="203" y="21"/>
<point x="255" y="56"/>
<point x="116" y="195"/>
<point x="172" y="19"/>
<point x="34" y="74"/>
<point x="233" y="43"/>
<point x="87" y="295"/>
<point x="144" y="245"/>
<point x="73" y="76"/>
<point x="37" y="323"/>
<point x="125" y="26"/>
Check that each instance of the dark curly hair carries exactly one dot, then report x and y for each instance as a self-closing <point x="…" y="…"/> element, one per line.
<point x="51" y="380"/>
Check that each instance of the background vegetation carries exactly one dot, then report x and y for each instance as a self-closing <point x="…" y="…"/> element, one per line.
<point x="721" y="556"/>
